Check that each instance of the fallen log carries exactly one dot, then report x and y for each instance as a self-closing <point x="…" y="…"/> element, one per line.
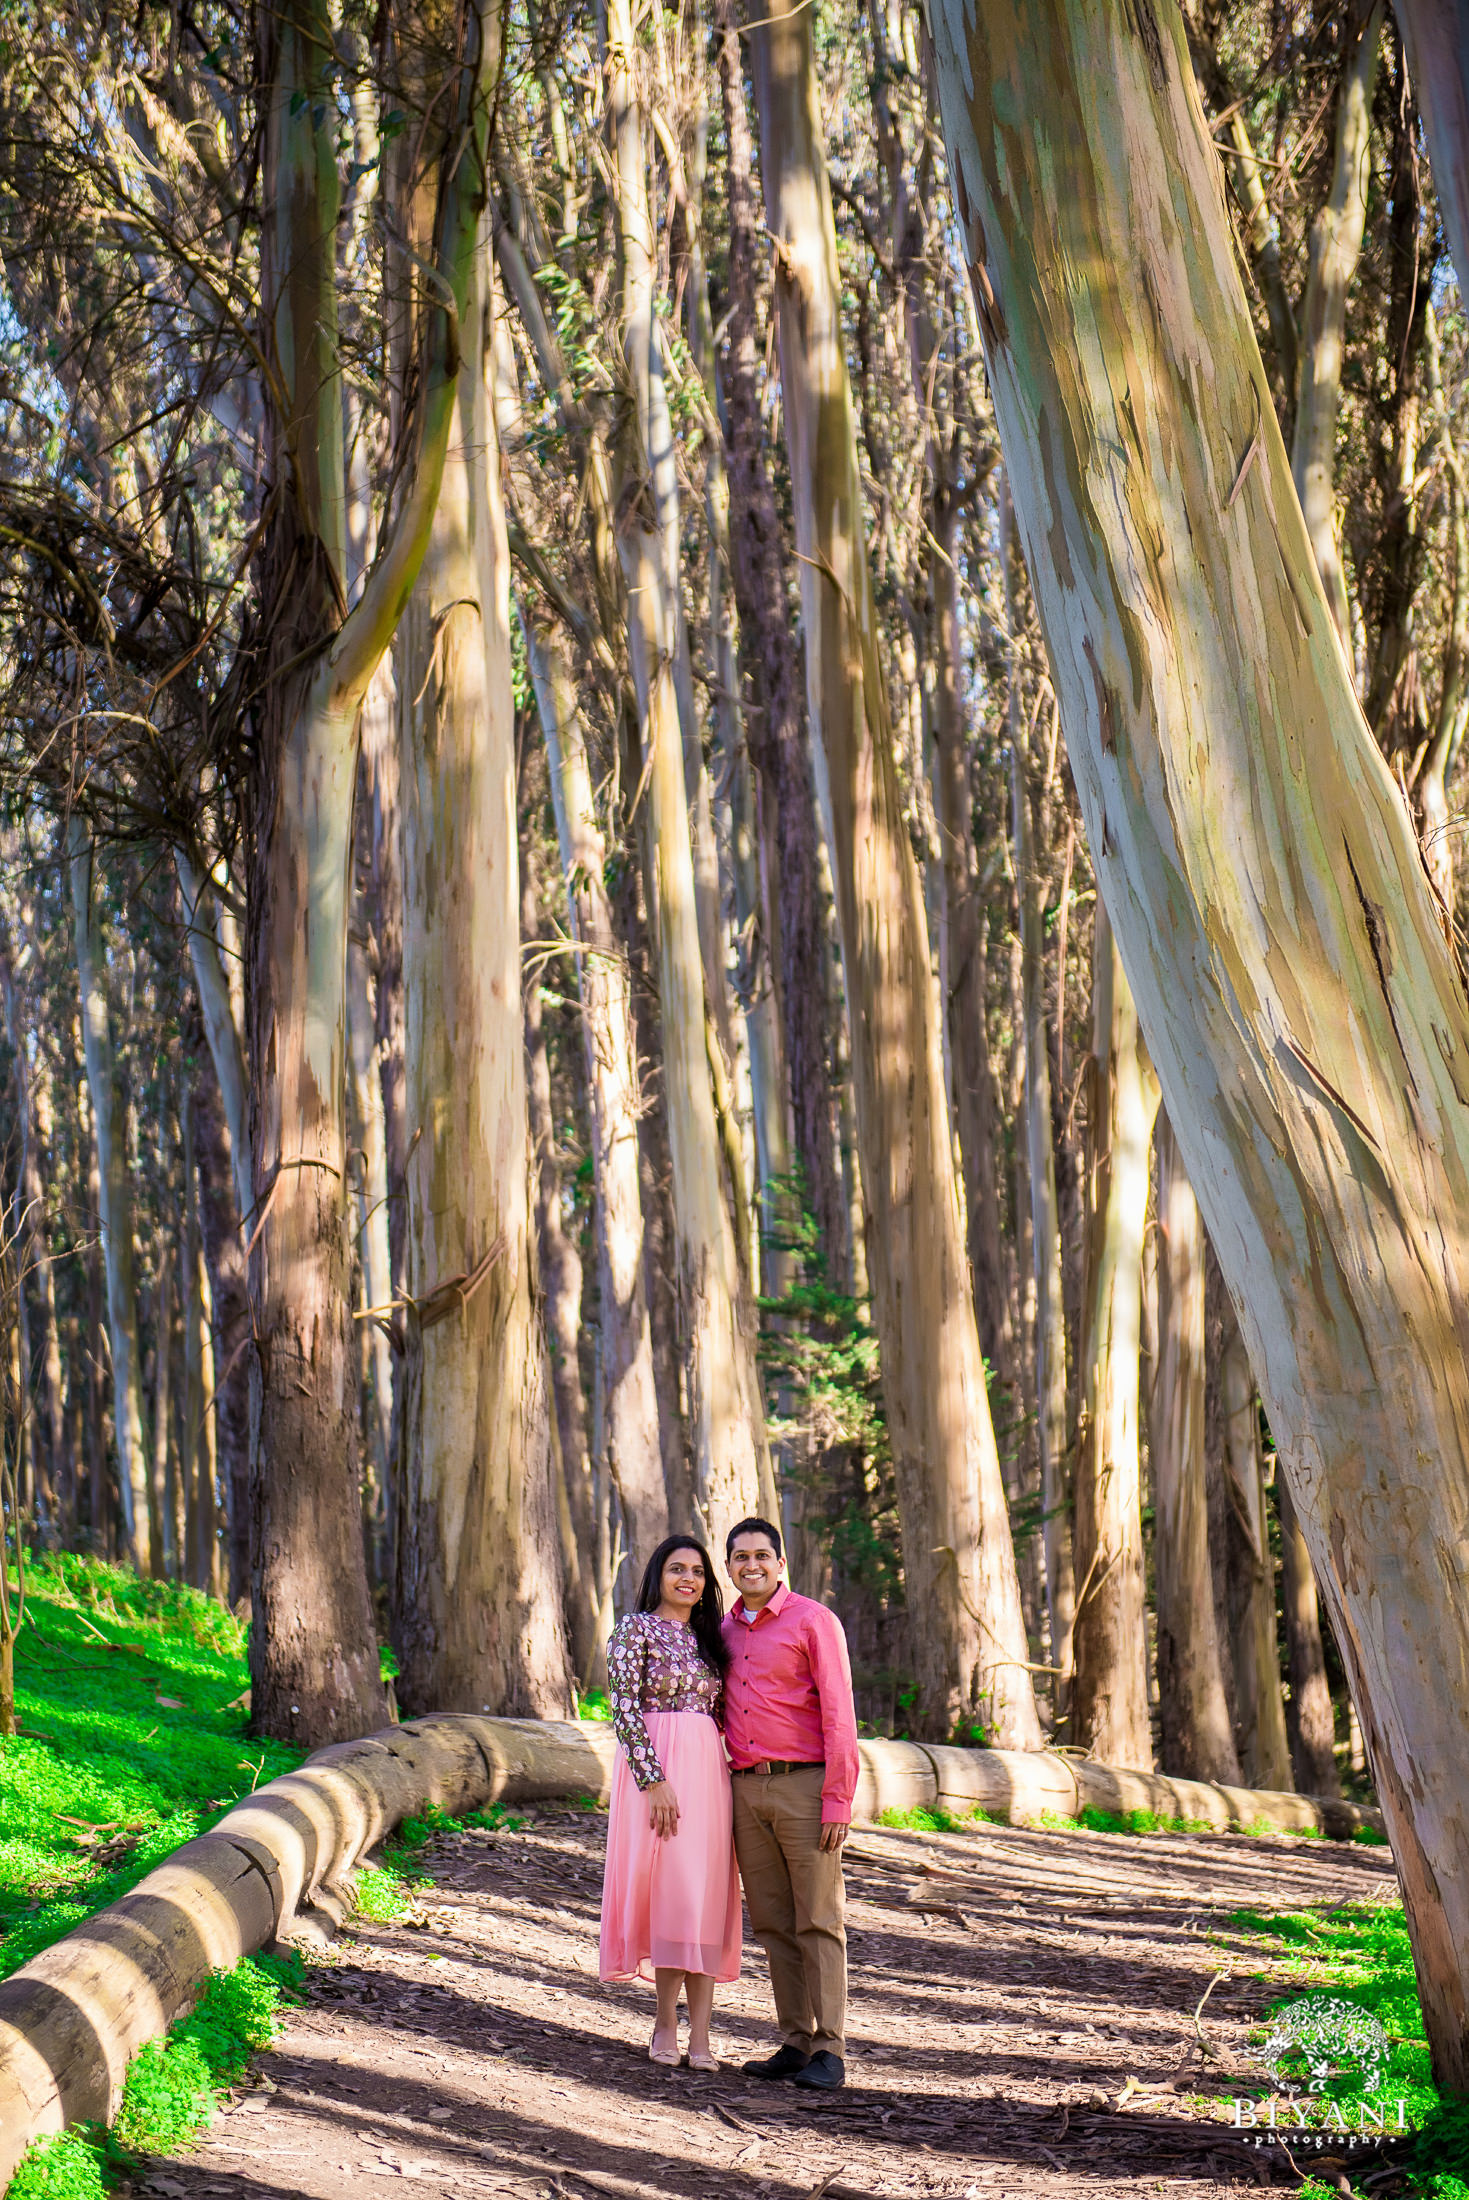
<point x="278" y="1867"/>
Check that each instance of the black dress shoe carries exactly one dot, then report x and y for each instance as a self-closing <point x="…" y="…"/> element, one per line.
<point x="784" y="2063"/>
<point x="824" y="2073"/>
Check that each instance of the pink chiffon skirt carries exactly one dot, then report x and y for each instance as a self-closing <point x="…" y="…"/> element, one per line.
<point x="675" y="1904"/>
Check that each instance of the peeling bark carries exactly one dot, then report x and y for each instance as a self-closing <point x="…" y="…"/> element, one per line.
<point x="1303" y="1009"/>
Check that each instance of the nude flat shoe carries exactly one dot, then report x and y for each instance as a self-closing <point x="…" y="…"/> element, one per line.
<point x="709" y="2063"/>
<point x="668" y="2057"/>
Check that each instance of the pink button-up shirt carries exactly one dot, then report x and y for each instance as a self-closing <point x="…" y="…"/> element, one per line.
<point x="788" y="1693"/>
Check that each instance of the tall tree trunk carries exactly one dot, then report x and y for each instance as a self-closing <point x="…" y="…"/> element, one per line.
<point x="116" y="1209"/>
<point x="162" y="1513"/>
<point x="313" y="1650"/>
<point x="795" y="918"/>
<point x="1310" y="1721"/>
<point x="200" y="1450"/>
<point x="732" y="1470"/>
<point x="370" y="1217"/>
<point x="479" y="1592"/>
<point x="1264" y="1753"/>
<point x="379" y="835"/>
<point x="1197" y="1732"/>
<point x="1430" y="790"/>
<point x="1040" y="1153"/>
<point x="1336" y="244"/>
<point x="630" y="1411"/>
<point x="1109" y="1702"/>
<point x="229" y="1333"/>
<point x="1303" y="1009"/>
<point x="959" y="1565"/>
<point x="561" y="1285"/>
<point x="33" y="1247"/>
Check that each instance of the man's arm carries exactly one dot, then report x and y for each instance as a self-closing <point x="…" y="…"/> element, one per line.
<point x="832" y="1672"/>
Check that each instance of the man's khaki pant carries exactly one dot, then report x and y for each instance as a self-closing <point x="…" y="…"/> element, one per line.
<point x="794" y="1889"/>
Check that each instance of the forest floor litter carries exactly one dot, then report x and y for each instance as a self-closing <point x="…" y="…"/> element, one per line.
<point x="1024" y="2022"/>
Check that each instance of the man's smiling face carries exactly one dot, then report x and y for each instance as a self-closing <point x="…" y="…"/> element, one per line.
<point x="755" y="1569"/>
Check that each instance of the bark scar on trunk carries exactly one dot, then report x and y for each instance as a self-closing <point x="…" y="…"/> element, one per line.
<point x="1373" y="917"/>
<point x="1152" y="43"/>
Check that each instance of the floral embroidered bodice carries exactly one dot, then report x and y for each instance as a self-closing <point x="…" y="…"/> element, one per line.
<point x="654" y="1664"/>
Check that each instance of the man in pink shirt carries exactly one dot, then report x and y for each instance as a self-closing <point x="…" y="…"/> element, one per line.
<point x="791" y="1729"/>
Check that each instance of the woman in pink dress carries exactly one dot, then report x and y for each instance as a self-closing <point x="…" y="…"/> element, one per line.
<point x="671" y="1893"/>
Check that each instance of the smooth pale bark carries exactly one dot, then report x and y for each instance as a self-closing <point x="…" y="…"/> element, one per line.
<point x="1040" y="1155"/>
<point x="1197" y="1737"/>
<point x="1109" y="1699"/>
<point x="115" y="1209"/>
<point x="478" y="1596"/>
<point x="630" y="1398"/>
<point x="560" y="1273"/>
<point x="1260" y="1736"/>
<point x="970" y="1652"/>
<point x="1304" y="1012"/>
<point x="795" y="923"/>
<point x="313" y="1648"/>
<point x="732" y="1471"/>
<point x="1436" y="35"/>
<point x="1336" y="244"/>
<point x="1310" y="1718"/>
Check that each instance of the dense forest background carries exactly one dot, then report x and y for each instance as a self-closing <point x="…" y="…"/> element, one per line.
<point x="552" y="967"/>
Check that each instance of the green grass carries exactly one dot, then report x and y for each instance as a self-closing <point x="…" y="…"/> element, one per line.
<point x="932" y="1821"/>
<point x="1362" y="1954"/>
<point x="132" y="1741"/>
<point x="173" y="2085"/>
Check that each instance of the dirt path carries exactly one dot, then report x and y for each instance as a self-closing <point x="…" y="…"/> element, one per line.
<point x="1007" y="1986"/>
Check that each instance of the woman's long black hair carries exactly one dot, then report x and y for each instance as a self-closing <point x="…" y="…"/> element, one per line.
<point x="708" y="1614"/>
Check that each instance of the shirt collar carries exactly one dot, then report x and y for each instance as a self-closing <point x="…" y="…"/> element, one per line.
<point x="774" y="1607"/>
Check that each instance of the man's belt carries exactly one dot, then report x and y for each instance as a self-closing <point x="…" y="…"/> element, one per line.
<point x="782" y="1764"/>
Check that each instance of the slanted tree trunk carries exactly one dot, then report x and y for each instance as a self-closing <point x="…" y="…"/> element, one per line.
<point x="1264" y="1752"/>
<point x="630" y="1407"/>
<point x="1336" y="244"/>
<point x="732" y="1471"/>
<point x="1109" y="1701"/>
<point x="970" y="1650"/>
<point x="1305" y="1014"/>
<point x="1197" y="1731"/>
<point x="1040" y="1154"/>
<point x="115" y="1212"/>
<point x="313" y="1648"/>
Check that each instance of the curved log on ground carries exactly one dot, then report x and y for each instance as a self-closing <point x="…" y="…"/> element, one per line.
<point x="277" y="1869"/>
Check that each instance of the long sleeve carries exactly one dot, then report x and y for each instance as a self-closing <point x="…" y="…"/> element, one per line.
<point x="832" y="1672"/>
<point x="627" y="1664"/>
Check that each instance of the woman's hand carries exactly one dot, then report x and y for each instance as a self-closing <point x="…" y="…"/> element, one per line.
<point x="662" y="1809"/>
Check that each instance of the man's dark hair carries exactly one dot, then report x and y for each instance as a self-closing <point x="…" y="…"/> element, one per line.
<point x="753" y="1526"/>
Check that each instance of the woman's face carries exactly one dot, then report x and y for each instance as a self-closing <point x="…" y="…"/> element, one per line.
<point x="683" y="1580"/>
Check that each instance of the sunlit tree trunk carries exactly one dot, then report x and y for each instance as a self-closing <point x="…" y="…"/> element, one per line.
<point x="731" y="1456"/>
<point x="313" y="1647"/>
<point x="959" y="1565"/>
<point x="369" y="1178"/>
<point x="1336" y="244"/>
<point x="478" y="1596"/>
<point x="630" y="1410"/>
<point x="1264" y="1752"/>
<point x="1109" y="1701"/>
<point x="1430" y="789"/>
<point x="1303" y="1009"/>
<point x="116" y="1206"/>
